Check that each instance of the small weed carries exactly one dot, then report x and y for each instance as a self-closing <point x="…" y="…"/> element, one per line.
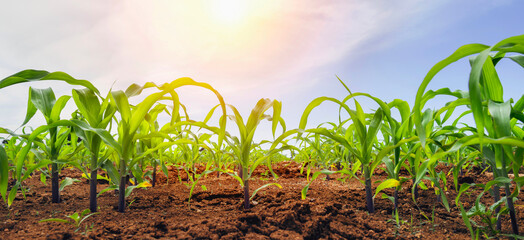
<point x="77" y="219"/>
<point x="398" y="222"/>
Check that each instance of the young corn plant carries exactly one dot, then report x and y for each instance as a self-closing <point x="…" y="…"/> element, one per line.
<point x="151" y="146"/>
<point x="337" y="153"/>
<point x="489" y="215"/>
<point x="491" y="113"/>
<point x="44" y="100"/>
<point x="96" y="115"/>
<point x="243" y="147"/>
<point x="320" y="148"/>
<point x="395" y="131"/>
<point x="132" y="118"/>
<point x="21" y="170"/>
<point x="153" y="128"/>
<point x="366" y="135"/>
<point x="192" y="146"/>
<point x="31" y="75"/>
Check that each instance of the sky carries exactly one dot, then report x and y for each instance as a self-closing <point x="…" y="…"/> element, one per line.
<point x="288" y="50"/>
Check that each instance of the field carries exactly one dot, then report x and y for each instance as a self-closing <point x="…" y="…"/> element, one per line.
<point x="115" y="171"/>
<point x="334" y="209"/>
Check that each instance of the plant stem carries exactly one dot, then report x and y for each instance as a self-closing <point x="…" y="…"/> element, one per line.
<point x="512" y="215"/>
<point x="246" y="194"/>
<point x="154" y="174"/>
<point x="243" y="172"/>
<point x="415" y="191"/>
<point x="55" y="185"/>
<point x="369" y="192"/>
<point x="124" y="177"/>
<point x="496" y="198"/>
<point x="92" y="191"/>
<point x="122" y="194"/>
<point x="395" y="202"/>
<point x="94" y="174"/>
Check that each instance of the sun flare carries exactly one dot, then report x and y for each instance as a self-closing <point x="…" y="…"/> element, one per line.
<point x="230" y="11"/>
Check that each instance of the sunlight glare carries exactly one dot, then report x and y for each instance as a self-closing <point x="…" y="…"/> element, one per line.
<point x="230" y="11"/>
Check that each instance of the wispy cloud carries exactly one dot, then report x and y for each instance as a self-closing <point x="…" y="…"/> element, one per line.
<point x="133" y="40"/>
<point x="138" y="41"/>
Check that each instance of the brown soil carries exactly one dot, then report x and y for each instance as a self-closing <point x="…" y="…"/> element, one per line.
<point x="333" y="209"/>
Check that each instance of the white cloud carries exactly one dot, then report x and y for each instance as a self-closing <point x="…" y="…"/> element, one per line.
<point x="135" y="38"/>
<point x="139" y="41"/>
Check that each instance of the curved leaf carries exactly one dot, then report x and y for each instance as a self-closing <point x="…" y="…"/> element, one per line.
<point x="389" y="183"/>
<point x="31" y="75"/>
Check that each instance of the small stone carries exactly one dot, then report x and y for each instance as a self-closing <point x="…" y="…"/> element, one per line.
<point x="6" y="230"/>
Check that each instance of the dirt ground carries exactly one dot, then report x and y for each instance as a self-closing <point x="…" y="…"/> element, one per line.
<point x="333" y="209"/>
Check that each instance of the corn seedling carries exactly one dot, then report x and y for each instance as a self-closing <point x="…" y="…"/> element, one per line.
<point x="491" y="113"/>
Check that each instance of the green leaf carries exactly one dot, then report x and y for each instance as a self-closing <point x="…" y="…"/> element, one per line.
<point x="88" y="105"/>
<point x="313" y="104"/>
<point x="31" y="110"/>
<point x="86" y="211"/>
<point x="55" y="220"/>
<point x="130" y="189"/>
<point x="4" y="172"/>
<point x="122" y="105"/>
<point x="461" y="52"/>
<point x="135" y="89"/>
<point x="43" y="179"/>
<point x="66" y="182"/>
<point x="386" y="184"/>
<point x="373" y="129"/>
<point x="444" y="199"/>
<point x="498" y="180"/>
<point x="315" y="176"/>
<point x="75" y="216"/>
<point x="44" y="100"/>
<point x="501" y="118"/>
<point x="84" y="216"/>
<point x="112" y="187"/>
<point x="58" y="107"/>
<point x="492" y="83"/>
<point x="277" y="109"/>
<point x="185" y="81"/>
<point x="31" y="75"/>
<point x="12" y="194"/>
<point x="519" y="59"/>
<point x="474" y="86"/>
<point x="262" y="187"/>
<point x="466" y="220"/>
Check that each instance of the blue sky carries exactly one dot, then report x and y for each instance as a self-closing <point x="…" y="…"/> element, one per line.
<point x="285" y="50"/>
